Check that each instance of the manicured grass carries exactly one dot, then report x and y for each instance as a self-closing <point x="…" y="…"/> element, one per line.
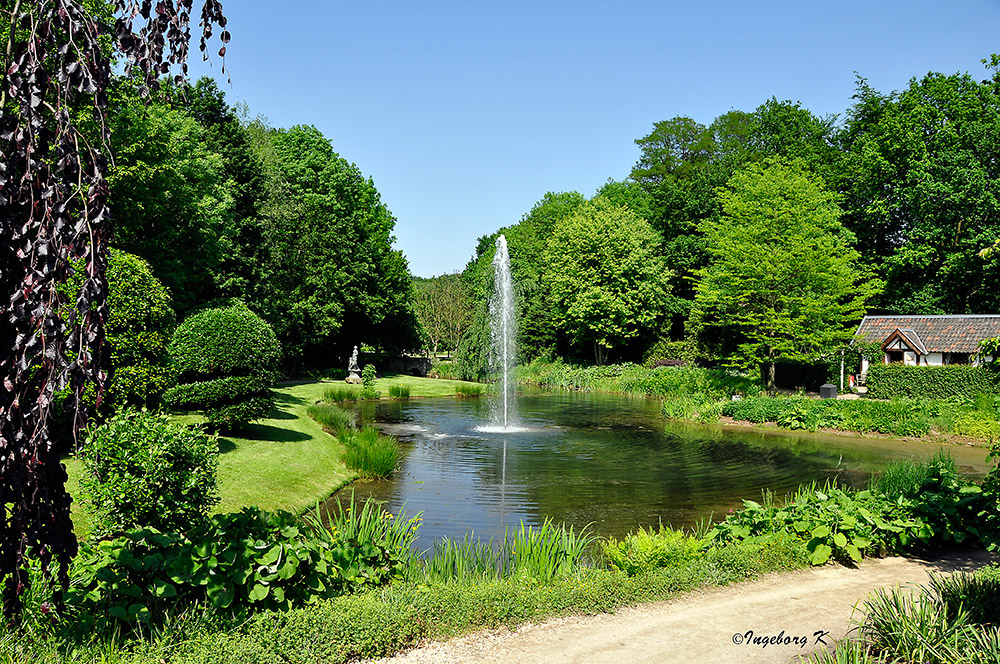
<point x="423" y="387"/>
<point x="284" y="462"/>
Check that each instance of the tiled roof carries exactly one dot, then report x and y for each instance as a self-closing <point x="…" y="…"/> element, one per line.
<point x="939" y="334"/>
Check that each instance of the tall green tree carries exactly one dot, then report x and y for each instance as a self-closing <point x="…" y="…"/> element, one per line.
<point x="923" y="195"/>
<point x="241" y="268"/>
<point x="334" y="279"/>
<point x="170" y="197"/>
<point x="606" y="279"/>
<point x="444" y="310"/>
<point x="783" y="281"/>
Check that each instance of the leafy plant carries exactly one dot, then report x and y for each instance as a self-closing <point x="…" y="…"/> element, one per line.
<point x="368" y="375"/>
<point x="142" y="470"/>
<point x="645" y="550"/>
<point x="238" y="563"/>
<point x="832" y="522"/>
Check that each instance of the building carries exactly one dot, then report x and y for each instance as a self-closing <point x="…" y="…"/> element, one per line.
<point x="928" y="340"/>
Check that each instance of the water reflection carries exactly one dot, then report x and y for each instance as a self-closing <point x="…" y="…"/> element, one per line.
<point x="603" y="460"/>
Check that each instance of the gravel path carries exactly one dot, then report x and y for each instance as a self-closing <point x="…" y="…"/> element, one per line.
<point x="705" y="626"/>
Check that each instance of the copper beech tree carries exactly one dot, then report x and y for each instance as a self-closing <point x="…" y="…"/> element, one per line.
<point x="57" y="60"/>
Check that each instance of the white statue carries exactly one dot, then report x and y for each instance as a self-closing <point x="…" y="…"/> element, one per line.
<point x="353" y="370"/>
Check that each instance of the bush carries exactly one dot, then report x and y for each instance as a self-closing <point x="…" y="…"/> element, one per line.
<point x="368" y="390"/>
<point x="242" y="562"/>
<point x="670" y="353"/>
<point x="892" y="381"/>
<point x="646" y="550"/>
<point x="141" y="470"/>
<point x="226" y="359"/>
<point x="899" y="418"/>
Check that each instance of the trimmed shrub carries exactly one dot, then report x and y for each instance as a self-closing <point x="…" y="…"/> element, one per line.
<point x="140" y="323"/>
<point x="141" y="470"/>
<point x="226" y="359"/>
<point x="892" y="381"/>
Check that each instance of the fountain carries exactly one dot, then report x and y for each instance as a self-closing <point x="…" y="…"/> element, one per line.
<point x="503" y="332"/>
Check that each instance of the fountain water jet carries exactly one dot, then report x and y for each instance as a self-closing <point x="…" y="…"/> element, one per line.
<point x="503" y="332"/>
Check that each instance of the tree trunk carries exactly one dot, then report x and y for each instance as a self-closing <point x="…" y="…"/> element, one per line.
<point x="770" y="371"/>
<point x="601" y="354"/>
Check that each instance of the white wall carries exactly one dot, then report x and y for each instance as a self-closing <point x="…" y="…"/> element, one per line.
<point x="933" y="359"/>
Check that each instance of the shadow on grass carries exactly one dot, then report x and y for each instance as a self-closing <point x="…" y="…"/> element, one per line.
<point x="268" y="432"/>
<point x="284" y="399"/>
<point x="226" y="445"/>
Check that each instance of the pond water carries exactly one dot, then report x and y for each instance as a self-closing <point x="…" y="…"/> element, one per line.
<point x="605" y="460"/>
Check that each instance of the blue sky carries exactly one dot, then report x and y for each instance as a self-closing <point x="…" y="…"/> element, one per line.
<point x="466" y="113"/>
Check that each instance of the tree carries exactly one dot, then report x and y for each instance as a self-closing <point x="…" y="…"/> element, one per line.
<point x="170" y="199"/>
<point x="333" y="276"/>
<point x="443" y="309"/>
<point x="783" y="279"/>
<point x="923" y="194"/>
<point x="606" y="280"/>
<point x="54" y="213"/>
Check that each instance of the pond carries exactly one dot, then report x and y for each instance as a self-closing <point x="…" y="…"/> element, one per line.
<point x="609" y="461"/>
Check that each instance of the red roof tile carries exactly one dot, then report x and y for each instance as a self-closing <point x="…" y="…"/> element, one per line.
<point x="940" y="334"/>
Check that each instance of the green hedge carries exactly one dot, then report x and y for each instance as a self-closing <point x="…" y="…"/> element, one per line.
<point x="226" y="359"/>
<point x="892" y="381"/>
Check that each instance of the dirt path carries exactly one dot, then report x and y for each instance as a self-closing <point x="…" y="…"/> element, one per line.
<point x="700" y="627"/>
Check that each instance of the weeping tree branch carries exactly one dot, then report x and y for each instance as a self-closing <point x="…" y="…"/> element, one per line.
<point x="54" y="215"/>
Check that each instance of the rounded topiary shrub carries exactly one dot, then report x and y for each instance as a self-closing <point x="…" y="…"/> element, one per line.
<point x="142" y="470"/>
<point x="139" y="327"/>
<point x="226" y="360"/>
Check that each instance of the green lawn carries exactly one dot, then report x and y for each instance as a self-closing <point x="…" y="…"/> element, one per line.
<point x="284" y="462"/>
<point x="421" y="387"/>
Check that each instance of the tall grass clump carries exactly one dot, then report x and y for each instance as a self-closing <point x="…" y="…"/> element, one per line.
<point x="371" y="454"/>
<point x="332" y="417"/>
<point x="467" y="559"/>
<point x="952" y="619"/>
<point x="341" y="393"/>
<point x="542" y="553"/>
<point x="399" y="391"/>
<point x="905" y="477"/>
<point x="367" y="523"/>
<point x="469" y="390"/>
<point x="547" y="551"/>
